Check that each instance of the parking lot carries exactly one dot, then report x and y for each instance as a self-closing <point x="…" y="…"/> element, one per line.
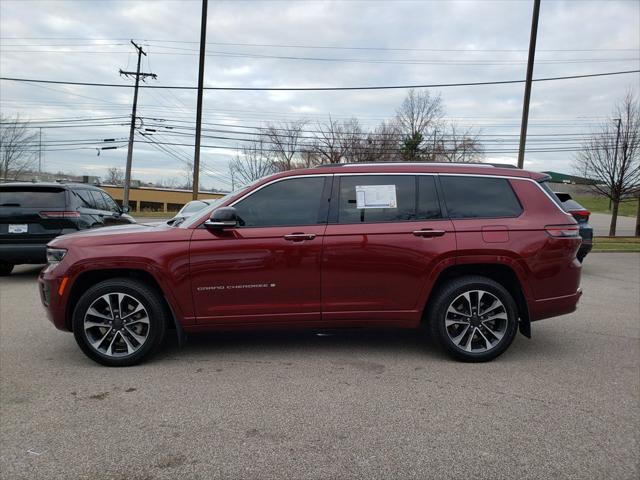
<point x="360" y="404"/>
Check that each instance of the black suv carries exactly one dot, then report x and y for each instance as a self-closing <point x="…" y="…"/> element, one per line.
<point x="32" y="214"/>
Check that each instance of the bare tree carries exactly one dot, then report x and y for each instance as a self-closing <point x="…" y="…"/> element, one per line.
<point x="383" y="143"/>
<point x="253" y="163"/>
<point x="459" y="146"/>
<point x="17" y="147"/>
<point x="187" y="175"/>
<point x="115" y="176"/>
<point x="286" y="142"/>
<point x="418" y="119"/>
<point x="612" y="160"/>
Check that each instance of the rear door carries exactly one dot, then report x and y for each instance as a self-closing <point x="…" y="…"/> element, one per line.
<point x="385" y="237"/>
<point x="32" y="214"/>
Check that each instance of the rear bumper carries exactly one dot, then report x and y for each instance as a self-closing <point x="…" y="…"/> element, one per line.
<point x="24" y="253"/>
<point x="553" y="307"/>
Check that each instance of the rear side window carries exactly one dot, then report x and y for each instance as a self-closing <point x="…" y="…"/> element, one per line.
<point x="32" y="197"/>
<point x="554" y="197"/>
<point x="401" y="189"/>
<point x="479" y="197"/>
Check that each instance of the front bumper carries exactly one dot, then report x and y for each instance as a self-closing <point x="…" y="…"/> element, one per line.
<point x="54" y="295"/>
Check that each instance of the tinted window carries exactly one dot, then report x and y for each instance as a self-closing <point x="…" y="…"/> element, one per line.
<point x="554" y="197"/>
<point x="86" y="199"/>
<point x="405" y="195"/>
<point x="288" y="202"/>
<point x="478" y="197"/>
<point x="98" y="200"/>
<point x="32" y="197"/>
<point x="192" y="207"/>
<point x="428" y="204"/>
<point x="110" y="202"/>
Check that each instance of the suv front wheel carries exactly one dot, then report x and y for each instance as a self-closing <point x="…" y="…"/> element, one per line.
<point x="473" y="318"/>
<point x="119" y="322"/>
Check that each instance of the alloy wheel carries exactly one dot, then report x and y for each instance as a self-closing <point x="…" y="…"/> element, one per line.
<point x="116" y="324"/>
<point x="476" y="321"/>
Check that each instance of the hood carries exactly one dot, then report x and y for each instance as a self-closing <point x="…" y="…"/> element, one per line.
<point x="122" y="234"/>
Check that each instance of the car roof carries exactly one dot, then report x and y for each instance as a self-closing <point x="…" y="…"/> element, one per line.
<point x="62" y="186"/>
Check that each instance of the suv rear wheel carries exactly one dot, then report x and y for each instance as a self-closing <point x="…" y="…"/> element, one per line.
<point x="119" y="322"/>
<point x="473" y="318"/>
<point x="5" y="268"/>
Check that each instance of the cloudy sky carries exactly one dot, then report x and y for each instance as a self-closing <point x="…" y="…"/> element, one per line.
<point x="277" y="43"/>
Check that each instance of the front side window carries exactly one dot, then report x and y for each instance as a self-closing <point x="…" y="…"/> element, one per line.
<point x="479" y="197"/>
<point x="86" y="198"/>
<point x="377" y="198"/>
<point x="110" y="202"/>
<point x="295" y="201"/>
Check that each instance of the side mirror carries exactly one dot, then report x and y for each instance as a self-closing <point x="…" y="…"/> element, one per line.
<point x="124" y="209"/>
<point x="223" y="217"/>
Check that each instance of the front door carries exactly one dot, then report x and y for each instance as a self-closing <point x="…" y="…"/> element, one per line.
<point x="380" y="256"/>
<point x="267" y="270"/>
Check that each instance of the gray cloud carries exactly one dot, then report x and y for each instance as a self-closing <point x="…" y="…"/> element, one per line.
<point x="557" y="107"/>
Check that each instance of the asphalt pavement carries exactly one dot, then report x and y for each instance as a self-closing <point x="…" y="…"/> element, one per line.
<point x="358" y="404"/>
<point x="625" y="226"/>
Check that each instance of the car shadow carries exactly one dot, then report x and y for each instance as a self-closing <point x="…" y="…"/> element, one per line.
<point x="204" y="346"/>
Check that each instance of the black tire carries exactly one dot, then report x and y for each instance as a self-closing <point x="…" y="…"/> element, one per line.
<point x="6" y="268"/>
<point x="154" y="329"/>
<point x="451" y="292"/>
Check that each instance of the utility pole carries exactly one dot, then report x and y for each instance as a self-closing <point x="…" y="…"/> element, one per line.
<point x="40" y="152"/>
<point x="196" y="153"/>
<point x="527" y="86"/>
<point x="138" y="75"/>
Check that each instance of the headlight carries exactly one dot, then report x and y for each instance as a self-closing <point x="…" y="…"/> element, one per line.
<point x="55" y="255"/>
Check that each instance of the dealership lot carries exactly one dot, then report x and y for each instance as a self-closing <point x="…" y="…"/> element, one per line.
<point x="361" y="404"/>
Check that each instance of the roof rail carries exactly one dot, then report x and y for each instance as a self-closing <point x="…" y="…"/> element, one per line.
<point x="445" y="164"/>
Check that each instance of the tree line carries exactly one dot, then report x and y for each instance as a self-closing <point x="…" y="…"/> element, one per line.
<point x="418" y="132"/>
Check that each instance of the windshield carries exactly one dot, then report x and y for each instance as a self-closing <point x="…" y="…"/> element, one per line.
<point x="193" y="218"/>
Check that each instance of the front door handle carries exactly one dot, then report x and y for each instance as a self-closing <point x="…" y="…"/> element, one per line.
<point x="299" y="237"/>
<point x="429" y="233"/>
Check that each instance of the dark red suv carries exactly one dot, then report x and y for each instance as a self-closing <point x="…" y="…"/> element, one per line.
<point x="473" y="252"/>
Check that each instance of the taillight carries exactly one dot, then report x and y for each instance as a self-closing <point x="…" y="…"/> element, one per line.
<point x="581" y="215"/>
<point x="68" y="214"/>
<point x="563" y="230"/>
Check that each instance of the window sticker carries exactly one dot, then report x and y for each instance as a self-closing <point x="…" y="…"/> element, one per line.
<point x="376" y="196"/>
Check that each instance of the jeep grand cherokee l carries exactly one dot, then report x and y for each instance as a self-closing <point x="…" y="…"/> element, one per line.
<point x="472" y="252"/>
<point x="33" y="214"/>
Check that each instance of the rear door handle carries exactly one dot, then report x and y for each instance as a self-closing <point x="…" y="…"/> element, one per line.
<point x="428" y="233"/>
<point x="299" y="237"/>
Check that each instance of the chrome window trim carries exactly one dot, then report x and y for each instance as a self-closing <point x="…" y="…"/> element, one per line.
<point x="508" y="177"/>
<point x="282" y="179"/>
<point x="341" y="174"/>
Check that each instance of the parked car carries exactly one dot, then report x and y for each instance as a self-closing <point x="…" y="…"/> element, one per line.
<point x="189" y="209"/>
<point x="581" y="215"/>
<point x="473" y="252"/>
<point x="33" y="214"/>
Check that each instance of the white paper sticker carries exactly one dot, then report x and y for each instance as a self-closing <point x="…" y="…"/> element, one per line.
<point x="376" y="196"/>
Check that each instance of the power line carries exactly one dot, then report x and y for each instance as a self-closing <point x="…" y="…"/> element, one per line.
<point x="299" y="46"/>
<point x="376" y="87"/>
